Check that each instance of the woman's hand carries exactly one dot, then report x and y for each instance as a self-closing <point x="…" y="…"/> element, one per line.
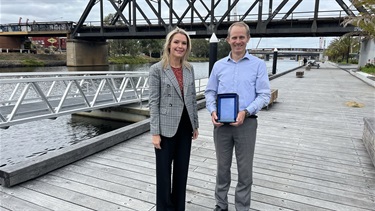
<point x="156" y="141"/>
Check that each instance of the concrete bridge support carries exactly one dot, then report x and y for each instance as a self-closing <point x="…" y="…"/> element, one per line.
<point x="82" y="53"/>
<point x="367" y="53"/>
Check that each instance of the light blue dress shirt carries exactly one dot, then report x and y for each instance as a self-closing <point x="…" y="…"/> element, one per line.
<point x="248" y="78"/>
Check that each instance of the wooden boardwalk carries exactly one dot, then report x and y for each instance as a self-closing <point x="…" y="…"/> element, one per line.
<point x="309" y="156"/>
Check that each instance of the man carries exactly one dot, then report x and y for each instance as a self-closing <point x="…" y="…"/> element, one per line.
<point x="247" y="76"/>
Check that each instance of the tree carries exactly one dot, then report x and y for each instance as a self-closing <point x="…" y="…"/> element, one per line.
<point x="121" y="46"/>
<point x="152" y="47"/>
<point x="116" y="46"/>
<point x="340" y="48"/>
<point x="132" y="47"/>
<point x="200" y="47"/>
<point x="365" y="20"/>
<point x="223" y="48"/>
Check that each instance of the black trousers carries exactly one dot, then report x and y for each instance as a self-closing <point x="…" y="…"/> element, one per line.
<point x="170" y="195"/>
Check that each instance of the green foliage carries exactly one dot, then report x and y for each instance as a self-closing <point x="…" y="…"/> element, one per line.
<point x="110" y="17"/>
<point x="120" y="47"/>
<point x="152" y="47"/>
<point x="369" y="68"/>
<point x="129" y="50"/>
<point x="354" y="61"/>
<point x="32" y="63"/>
<point x="223" y="49"/>
<point x="364" y="20"/>
<point x="200" y="48"/>
<point x="369" y="65"/>
<point x="340" y="48"/>
<point x="4" y="57"/>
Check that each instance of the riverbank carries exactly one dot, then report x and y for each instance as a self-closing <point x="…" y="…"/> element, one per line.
<point x="31" y="60"/>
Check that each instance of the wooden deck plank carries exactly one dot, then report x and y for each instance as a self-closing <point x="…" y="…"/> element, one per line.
<point x="307" y="165"/>
<point x="309" y="156"/>
<point x="40" y="199"/>
<point x="140" y="156"/>
<point x="9" y="202"/>
<point x="92" y="203"/>
<point x="285" y="185"/>
<point x="108" y="192"/>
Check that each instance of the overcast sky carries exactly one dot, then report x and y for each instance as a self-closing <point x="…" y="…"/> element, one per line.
<point x="71" y="10"/>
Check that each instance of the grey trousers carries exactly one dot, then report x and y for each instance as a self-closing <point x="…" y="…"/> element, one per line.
<point x="242" y="139"/>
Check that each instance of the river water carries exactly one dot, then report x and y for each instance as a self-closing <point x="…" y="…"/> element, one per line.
<point x="26" y="141"/>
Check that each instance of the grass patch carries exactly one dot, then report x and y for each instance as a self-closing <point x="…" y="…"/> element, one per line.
<point x="32" y="63"/>
<point x="368" y="68"/>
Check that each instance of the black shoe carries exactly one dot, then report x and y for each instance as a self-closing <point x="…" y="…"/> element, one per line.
<point x="217" y="208"/>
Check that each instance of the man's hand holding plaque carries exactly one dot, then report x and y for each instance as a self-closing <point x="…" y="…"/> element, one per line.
<point x="227" y="107"/>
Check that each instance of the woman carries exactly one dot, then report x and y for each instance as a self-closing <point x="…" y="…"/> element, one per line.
<point x="174" y="119"/>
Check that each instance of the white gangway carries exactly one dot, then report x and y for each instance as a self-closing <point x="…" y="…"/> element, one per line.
<point x="32" y="96"/>
<point x="39" y="95"/>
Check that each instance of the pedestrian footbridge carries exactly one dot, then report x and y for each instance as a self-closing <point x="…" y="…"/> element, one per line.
<point x="28" y="97"/>
<point x="40" y="95"/>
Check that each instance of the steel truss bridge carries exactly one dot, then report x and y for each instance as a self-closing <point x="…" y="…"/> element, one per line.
<point x="149" y="19"/>
<point x="155" y="18"/>
<point x="28" y="97"/>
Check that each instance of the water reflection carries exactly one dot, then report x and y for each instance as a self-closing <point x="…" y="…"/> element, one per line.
<point x="81" y="128"/>
<point x="29" y="140"/>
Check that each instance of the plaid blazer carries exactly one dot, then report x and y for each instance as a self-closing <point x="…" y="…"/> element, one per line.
<point x="166" y="102"/>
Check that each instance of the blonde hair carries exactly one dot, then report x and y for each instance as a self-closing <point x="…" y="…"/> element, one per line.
<point x="242" y="24"/>
<point x="166" y="49"/>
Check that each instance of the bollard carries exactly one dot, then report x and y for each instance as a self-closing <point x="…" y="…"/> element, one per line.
<point x="274" y="61"/>
<point x="213" y="52"/>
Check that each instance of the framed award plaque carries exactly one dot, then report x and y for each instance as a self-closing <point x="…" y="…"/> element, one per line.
<point x="227" y="107"/>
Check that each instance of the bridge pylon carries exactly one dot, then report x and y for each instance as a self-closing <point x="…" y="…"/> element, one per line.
<point x="82" y="53"/>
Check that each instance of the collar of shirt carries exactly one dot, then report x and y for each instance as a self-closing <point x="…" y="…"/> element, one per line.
<point x="247" y="56"/>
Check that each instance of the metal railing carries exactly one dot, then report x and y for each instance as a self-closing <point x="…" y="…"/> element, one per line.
<point x="37" y="26"/>
<point x="28" y="97"/>
<point x="32" y="96"/>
